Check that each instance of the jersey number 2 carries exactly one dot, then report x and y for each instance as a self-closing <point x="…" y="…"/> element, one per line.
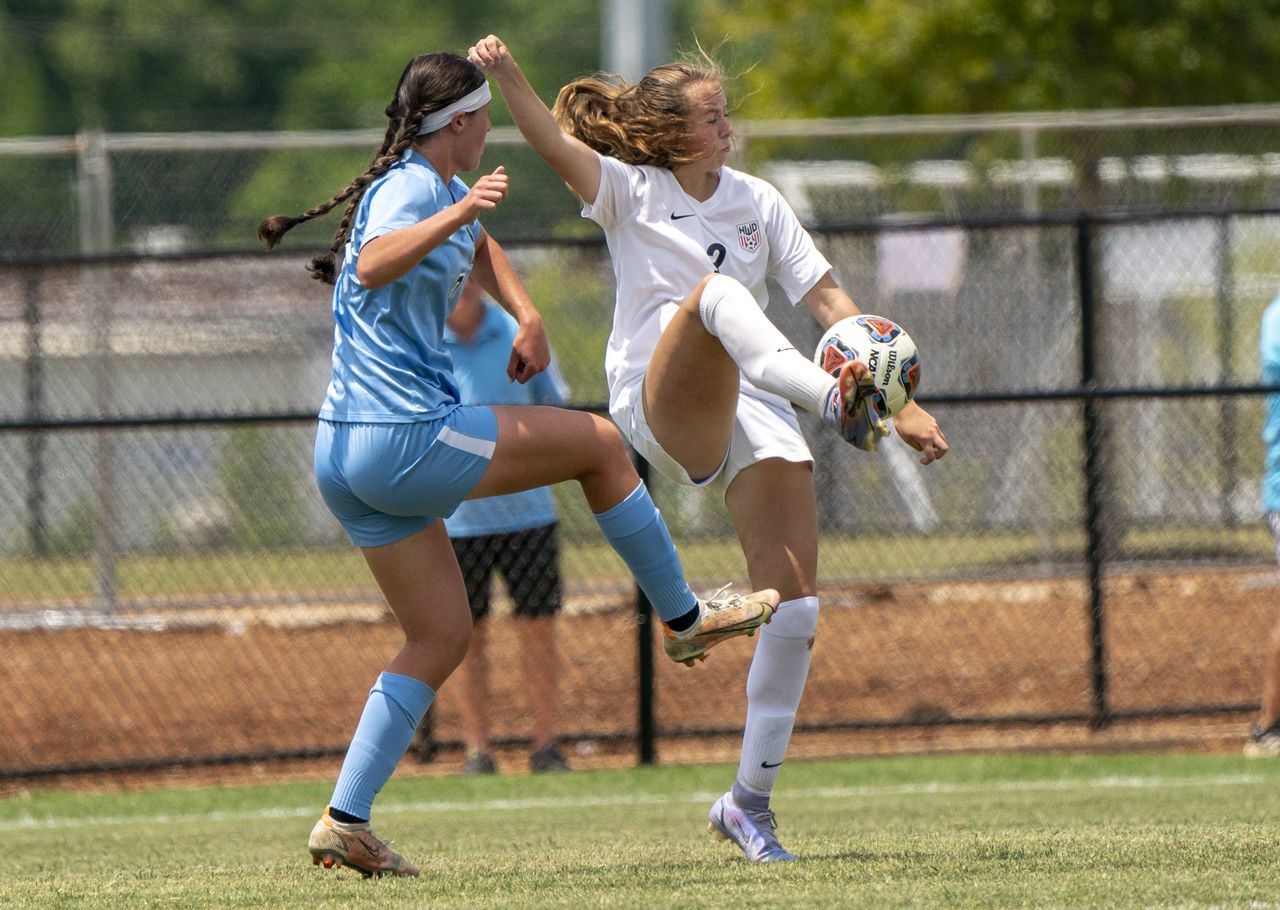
<point x="716" y="253"/>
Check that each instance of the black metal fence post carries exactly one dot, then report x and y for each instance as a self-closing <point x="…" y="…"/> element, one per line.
<point x="1228" y="455"/>
<point x="647" y="732"/>
<point x="1095" y="554"/>
<point x="33" y="410"/>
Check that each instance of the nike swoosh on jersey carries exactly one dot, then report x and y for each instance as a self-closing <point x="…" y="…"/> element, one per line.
<point x="675" y="217"/>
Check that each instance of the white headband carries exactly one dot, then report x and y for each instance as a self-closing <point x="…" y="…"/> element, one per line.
<point x="467" y="104"/>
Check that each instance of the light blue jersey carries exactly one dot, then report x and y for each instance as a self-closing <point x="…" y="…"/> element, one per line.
<point x="1270" y="336"/>
<point x="389" y="362"/>
<point x="480" y="367"/>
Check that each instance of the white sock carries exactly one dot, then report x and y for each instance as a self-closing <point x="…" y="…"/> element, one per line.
<point x="774" y="686"/>
<point x="763" y="353"/>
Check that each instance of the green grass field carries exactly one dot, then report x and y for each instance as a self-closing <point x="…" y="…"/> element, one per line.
<point x="971" y="831"/>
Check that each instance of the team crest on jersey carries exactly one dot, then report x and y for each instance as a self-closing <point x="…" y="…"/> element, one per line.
<point x="749" y="236"/>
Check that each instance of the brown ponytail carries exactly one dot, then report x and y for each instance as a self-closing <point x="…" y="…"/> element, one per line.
<point x="637" y="123"/>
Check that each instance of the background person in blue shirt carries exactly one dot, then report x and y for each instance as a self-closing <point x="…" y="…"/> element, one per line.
<point x="514" y="536"/>
<point x="1264" y="738"/>
<point x="396" y="451"/>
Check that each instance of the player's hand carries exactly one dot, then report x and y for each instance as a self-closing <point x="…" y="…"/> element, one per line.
<point x="920" y="430"/>
<point x="492" y="56"/>
<point x="488" y="191"/>
<point x="530" y="352"/>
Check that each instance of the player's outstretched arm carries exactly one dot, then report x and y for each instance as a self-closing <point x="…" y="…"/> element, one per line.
<point x="828" y="302"/>
<point x="575" y="162"/>
<point x="530" y="352"/>
<point x="390" y="257"/>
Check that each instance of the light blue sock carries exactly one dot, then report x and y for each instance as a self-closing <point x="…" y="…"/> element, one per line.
<point x="637" y="532"/>
<point x="391" y="715"/>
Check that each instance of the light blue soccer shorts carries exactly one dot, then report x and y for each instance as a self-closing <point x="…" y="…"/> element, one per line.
<point x="385" y="481"/>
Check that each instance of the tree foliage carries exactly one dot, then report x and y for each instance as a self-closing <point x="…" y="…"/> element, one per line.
<point x="178" y="65"/>
<point x="839" y="58"/>
<point x="128" y="65"/>
<point x="27" y="103"/>
<point x="172" y="65"/>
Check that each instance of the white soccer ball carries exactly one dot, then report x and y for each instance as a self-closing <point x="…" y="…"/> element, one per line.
<point x="886" y="349"/>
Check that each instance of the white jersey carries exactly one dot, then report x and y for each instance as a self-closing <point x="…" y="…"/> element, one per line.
<point x="663" y="242"/>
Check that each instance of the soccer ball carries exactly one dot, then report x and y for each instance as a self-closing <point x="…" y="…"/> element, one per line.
<point x="885" y="347"/>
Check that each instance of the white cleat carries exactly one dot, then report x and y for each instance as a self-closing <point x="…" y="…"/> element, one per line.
<point x="754" y="832"/>
<point x="852" y="408"/>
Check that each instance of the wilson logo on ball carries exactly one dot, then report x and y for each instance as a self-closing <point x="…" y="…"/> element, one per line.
<point x="886" y="349"/>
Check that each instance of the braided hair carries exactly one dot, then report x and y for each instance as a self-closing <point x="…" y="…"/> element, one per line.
<point x="430" y="82"/>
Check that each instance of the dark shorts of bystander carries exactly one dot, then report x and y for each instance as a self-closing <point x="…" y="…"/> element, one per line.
<point x="528" y="561"/>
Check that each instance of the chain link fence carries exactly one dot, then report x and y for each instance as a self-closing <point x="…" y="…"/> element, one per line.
<point x="1086" y="294"/>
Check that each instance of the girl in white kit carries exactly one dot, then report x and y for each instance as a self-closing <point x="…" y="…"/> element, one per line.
<point x="700" y="381"/>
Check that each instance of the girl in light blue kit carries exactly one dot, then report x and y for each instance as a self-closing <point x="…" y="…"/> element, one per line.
<point x="396" y="453"/>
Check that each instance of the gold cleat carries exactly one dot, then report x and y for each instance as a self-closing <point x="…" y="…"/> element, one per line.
<point x="334" y="844"/>
<point x="721" y="618"/>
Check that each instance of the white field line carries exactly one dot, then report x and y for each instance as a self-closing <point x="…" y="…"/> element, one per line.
<point x="28" y="822"/>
